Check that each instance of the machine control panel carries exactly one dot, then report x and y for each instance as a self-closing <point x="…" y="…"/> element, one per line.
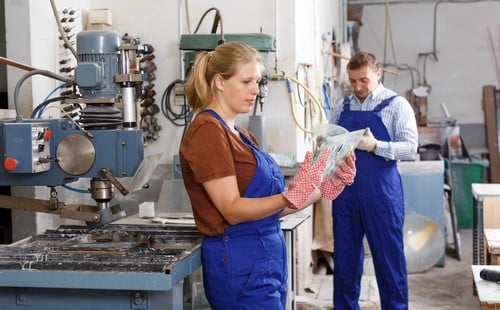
<point x="27" y="149"/>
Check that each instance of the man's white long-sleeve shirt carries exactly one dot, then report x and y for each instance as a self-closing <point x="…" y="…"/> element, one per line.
<point x="398" y="117"/>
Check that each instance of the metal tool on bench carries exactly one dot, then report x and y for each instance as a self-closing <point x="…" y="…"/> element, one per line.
<point x="490" y="275"/>
<point x="113" y="247"/>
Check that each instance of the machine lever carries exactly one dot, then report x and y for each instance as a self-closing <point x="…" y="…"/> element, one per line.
<point x="53" y="206"/>
<point x="53" y="200"/>
<point x="108" y="175"/>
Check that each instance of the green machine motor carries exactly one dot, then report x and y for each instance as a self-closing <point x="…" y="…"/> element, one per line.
<point x="195" y="43"/>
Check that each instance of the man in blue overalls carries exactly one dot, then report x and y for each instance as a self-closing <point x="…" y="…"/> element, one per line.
<point x="373" y="206"/>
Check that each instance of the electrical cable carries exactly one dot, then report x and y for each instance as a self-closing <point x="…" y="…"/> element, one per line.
<point x="20" y="82"/>
<point x="434" y="48"/>
<point x="254" y="113"/>
<point x="54" y="90"/>
<point x="74" y="189"/>
<point x="405" y="67"/>
<point x="217" y="20"/>
<point x="188" y="23"/>
<point x="434" y="31"/>
<point x="166" y="107"/>
<point x="389" y="29"/>
<point x="37" y="112"/>
<point x="184" y="117"/>
<point x="40" y="111"/>
<point x="388" y="35"/>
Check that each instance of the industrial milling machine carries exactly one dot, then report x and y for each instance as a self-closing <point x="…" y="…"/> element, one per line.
<point x="94" y="138"/>
<point x="102" y="264"/>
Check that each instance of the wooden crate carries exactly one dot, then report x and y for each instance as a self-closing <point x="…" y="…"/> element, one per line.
<point x="489" y="306"/>
<point x="491" y="229"/>
<point x="492" y="246"/>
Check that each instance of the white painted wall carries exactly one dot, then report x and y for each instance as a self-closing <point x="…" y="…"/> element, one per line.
<point x="464" y="64"/>
<point x="297" y="25"/>
<point x="31" y="39"/>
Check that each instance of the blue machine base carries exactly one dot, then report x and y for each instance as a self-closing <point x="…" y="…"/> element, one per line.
<point x="89" y="299"/>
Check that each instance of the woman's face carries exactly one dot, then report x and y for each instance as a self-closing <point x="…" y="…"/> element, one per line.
<point x="238" y="93"/>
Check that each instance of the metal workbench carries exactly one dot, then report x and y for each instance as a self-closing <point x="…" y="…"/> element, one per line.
<point x="118" y="266"/>
<point x="131" y="263"/>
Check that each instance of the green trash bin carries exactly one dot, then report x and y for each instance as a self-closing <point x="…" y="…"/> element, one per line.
<point x="463" y="174"/>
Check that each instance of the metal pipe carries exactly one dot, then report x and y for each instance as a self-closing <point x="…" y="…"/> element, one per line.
<point x="276" y="23"/>
<point x="16" y="64"/>
<point x="179" y="33"/>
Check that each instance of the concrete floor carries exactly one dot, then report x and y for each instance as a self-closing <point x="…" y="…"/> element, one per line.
<point x="448" y="287"/>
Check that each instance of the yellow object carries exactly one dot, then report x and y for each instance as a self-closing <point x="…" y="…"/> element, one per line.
<point x="421" y="238"/>
<point x="323" y="119"/>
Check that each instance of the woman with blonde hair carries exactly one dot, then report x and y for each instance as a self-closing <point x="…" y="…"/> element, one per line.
<point x="237" y="190"/>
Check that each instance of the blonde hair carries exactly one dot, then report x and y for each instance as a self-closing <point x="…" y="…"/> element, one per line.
<point x="225" y="61"/>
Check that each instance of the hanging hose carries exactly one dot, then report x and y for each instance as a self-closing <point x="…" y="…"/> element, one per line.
<point x="290" y="79"/>
<point x="37" y="112"/>
<point x="17" y="88"/>
<point x="76" y="190"/>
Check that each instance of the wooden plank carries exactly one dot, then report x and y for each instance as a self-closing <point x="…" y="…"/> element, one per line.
<point x="492" y="245"/>
<point x="491" y="212"/>
<point x="488" y="306"/>
<point x="489" y="108"/>
<point x="491" y="220"/>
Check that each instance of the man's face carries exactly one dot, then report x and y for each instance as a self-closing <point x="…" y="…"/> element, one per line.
<point x="364" y="81"/>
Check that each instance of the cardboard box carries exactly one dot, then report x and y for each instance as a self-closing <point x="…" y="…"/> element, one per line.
<point x="100" y="16"/>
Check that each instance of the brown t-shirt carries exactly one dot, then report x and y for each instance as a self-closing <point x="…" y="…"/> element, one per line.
<point x="209" y="150"/>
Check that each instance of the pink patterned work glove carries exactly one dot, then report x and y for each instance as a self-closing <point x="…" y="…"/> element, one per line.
<point x="304" y="188"/>
<point x="331" y="188"/>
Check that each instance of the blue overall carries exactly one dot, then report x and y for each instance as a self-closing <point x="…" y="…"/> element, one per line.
<point x="246" y="268"/>
<point x="373" y="206"/>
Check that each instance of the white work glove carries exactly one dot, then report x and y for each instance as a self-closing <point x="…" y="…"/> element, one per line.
<point x="304" y="188"/>
<point x="367" y="142"/>
<point x="344" y="175"/>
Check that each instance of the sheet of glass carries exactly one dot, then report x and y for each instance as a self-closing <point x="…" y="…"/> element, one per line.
<point x="340" y="142"/>
<point x="144" y="172"/>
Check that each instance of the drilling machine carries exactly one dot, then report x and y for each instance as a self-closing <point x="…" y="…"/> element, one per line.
<point x="99" y="141"/>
